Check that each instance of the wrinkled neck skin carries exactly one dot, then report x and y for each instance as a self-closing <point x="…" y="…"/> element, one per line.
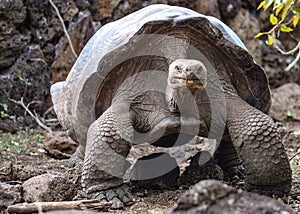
<point x="180" y="100"/>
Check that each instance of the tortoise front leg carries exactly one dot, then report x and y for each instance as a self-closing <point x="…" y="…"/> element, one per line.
<point x="227" y="158"/>
<point x="258" y="144"/>
<point x="105" y="158"/>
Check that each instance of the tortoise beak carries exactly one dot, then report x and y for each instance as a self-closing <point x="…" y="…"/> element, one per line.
<point x="189" y="82"/>
<point x="195" y="84"/>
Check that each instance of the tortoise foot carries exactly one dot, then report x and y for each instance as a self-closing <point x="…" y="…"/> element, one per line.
<point x="75" y="161"/>
<point x="118" y="196"/>
<point x="77" y="158"/>
<point x="237" y="172"/>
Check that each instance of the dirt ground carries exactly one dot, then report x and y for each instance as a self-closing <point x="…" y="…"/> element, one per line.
<point x="26" y="152"/>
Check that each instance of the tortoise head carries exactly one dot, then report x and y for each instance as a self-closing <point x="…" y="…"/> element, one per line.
<point x="188" y="73"/>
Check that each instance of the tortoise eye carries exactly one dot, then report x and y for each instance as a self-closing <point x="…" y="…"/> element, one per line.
<point x="177" y="68"/>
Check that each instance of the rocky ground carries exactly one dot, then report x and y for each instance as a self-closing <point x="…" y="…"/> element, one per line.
<point x="32" y="168"/>
<point x="23" y="158"/>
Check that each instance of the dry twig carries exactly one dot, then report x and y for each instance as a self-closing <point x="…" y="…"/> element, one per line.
<point x="298" y="153"/>
<point x="21" y="103"/>
<point x="64" y="27"/>
<point x="291" y="52"/>
<point x="60" y="205"/>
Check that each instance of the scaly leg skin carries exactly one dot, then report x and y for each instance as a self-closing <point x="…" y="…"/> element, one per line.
<point x="77" y="158"/>
<point x="105" y="159"/>
<point x="227" y="158"/>
<point x="258" y="144"/>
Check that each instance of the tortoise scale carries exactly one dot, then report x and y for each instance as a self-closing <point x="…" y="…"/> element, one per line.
<point x="163" y="75"/>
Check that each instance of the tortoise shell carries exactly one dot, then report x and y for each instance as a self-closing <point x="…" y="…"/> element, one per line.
<point x="146" y="40"/>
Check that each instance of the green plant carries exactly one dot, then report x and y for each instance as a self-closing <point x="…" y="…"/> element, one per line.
<point x="23" y="80"/>
<point x="285" y="17"/>
<point x="4" y="114"/>
<point x="20" y="143"/>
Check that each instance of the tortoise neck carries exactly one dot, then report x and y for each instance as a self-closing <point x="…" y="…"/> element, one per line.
<point x="171" y="98"/>
<point x="179" y="99"/>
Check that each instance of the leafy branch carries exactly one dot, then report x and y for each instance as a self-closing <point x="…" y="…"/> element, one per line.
<point x="4" y="112"/>
<point x="284" y="18"/>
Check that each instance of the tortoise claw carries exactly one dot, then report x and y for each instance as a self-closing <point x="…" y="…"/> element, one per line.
<point x="118" y="196"/>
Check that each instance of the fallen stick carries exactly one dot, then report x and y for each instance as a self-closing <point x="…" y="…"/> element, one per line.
<point x="36" y="207"/>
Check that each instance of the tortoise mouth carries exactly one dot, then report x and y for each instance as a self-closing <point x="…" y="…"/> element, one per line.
<point x="190" y="83"/>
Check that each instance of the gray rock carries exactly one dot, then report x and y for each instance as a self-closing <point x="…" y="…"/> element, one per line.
<point x="250" y="4"/>
<point x="202" y="166"/>
<point x="208" y="7"/>
<point x="80" y="32"/>
<point x="49" y="187"/>
<point x="102" y="9"/>
<point x="291" y="142"/>
<point x="82" y="4"/>
<point x="13" y="38"/>
<point x="229" y="8"/>
<point x="122" y="9"/>
<point x="12" y="11"/>
<point x="9" y="195"/>
<point x="246" y="26"/>
<point x="214" y="197"/>
<point x="28" y="77"/>
<point x="59" y="145"/>
<point x="15" y="172"/>
<point x="285" y="102"/>
<point x="44" y="22"/>
<point x="49" y="53"/>
<point x="140" y="207"/>
<point x="274" y="64"/>
<point x="11" y="45"/>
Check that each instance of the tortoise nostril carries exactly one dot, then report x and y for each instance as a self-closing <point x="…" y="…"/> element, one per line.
<point x="192" y="76"/>
<point x="190" y="73"/>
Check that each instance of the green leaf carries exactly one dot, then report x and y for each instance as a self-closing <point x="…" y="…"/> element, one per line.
<point x="289" y="2"/>
<point x="261" y="5"/>
<point x="279" y="8"/>
<point x="259" y="35"/>
<point x="296" y="20"/>
<point x="268" y="4"/>
<point x="286" y="8"/>
<point x="289" y="113"/>
<point x="270" y="40"/>
<point x="4" y="106"/>
<point x="273" y="19"/>
<point x="284" y="28"/>
<point x="296" y="10"/>
<point x="12" y="117"/>
<point x="284" y="13"/>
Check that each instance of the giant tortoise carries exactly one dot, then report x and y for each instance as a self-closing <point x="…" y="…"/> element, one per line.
<point x="163" y="75"/>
